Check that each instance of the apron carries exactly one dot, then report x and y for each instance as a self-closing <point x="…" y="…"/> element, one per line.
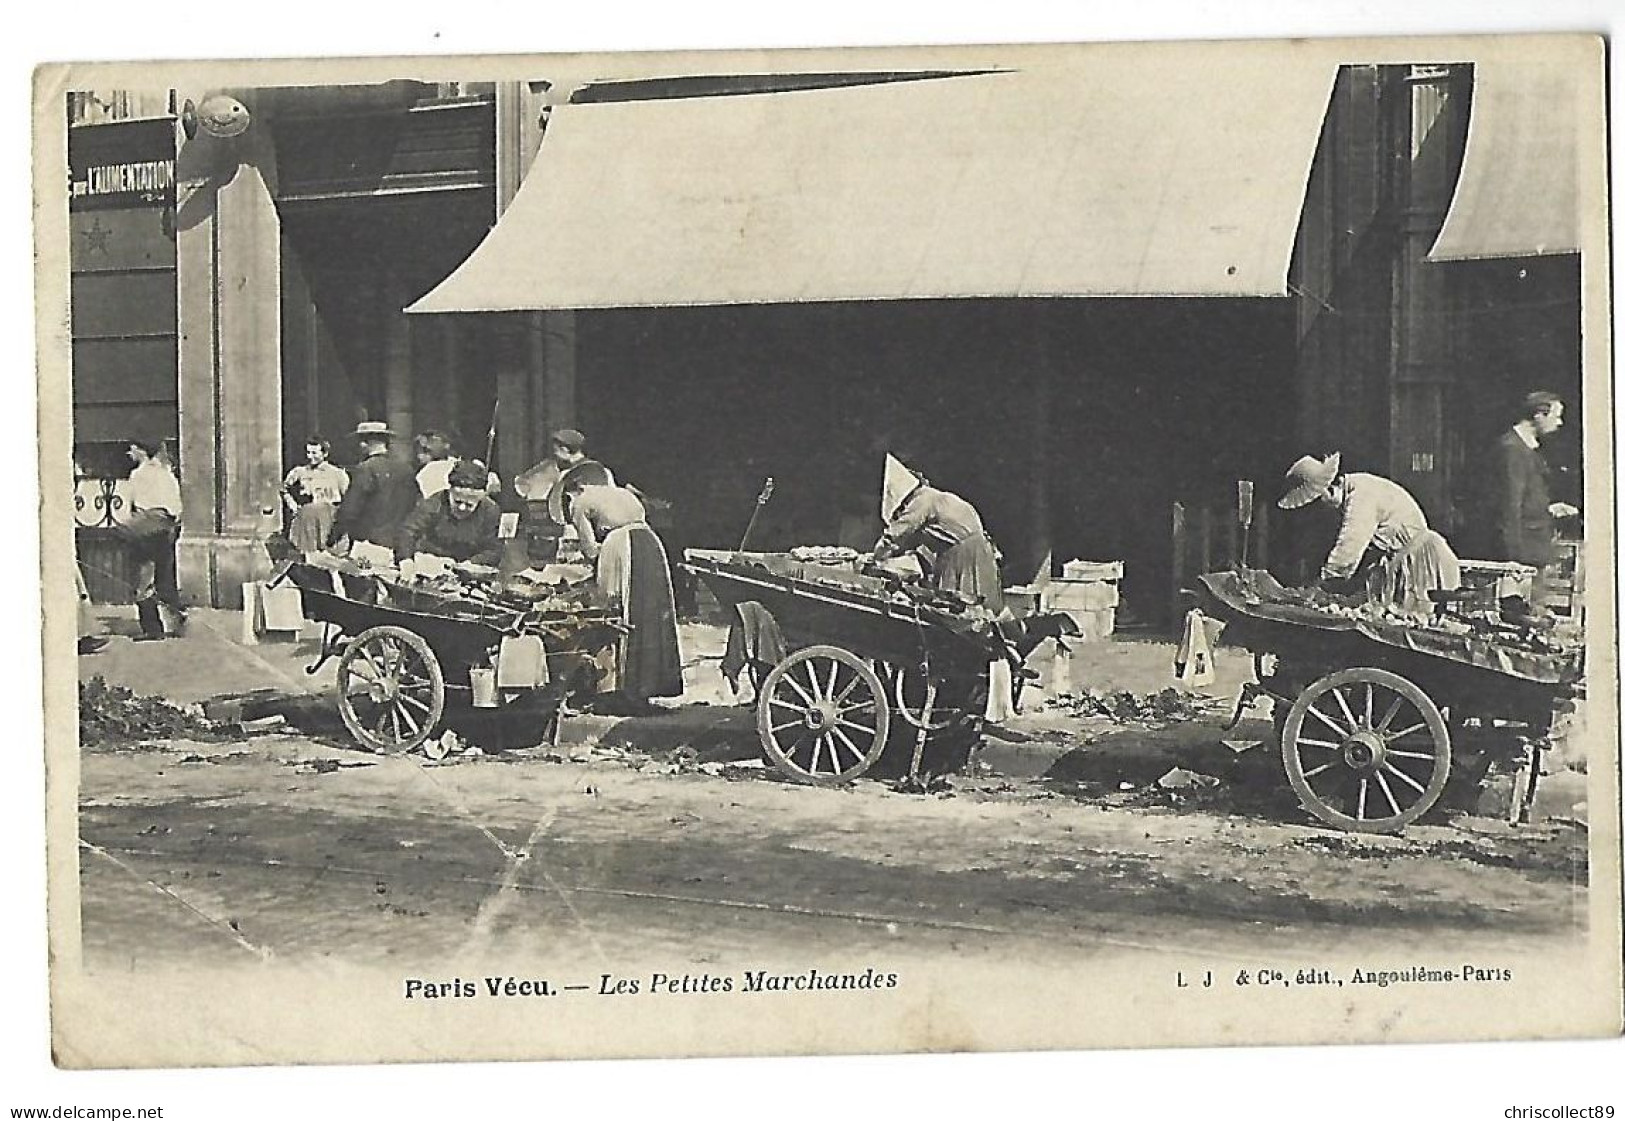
<point x="633" y="571"/>
<point x="971" y="568"/>
<point x="1406" y="576"/>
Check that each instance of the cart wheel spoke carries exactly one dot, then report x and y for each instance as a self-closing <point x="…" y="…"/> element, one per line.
<point x="824" y="687"/>
<point x="1328" y="721"/>
<point x="847" y="692"/>
<point x="813" y="682"/>
<point x="1368" y="788"/>
<point x="842" y="737"/>
<point x="416" y="702"/>
<point x="1387" y="792"/>
<point x="378" y="671"/>
<point x="1342" y="703"/>
<point x="391" y="693"/>
<point x="1409" y="781"/>
<point x="802" y="693"/>
<point x="364" y="670"/>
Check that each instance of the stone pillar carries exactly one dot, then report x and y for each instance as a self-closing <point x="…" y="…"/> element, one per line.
<point x="1422" y="371"/>
<point x="547" y="400"/>
<point x="395" y="332"/>
<point x="228" y="260"/>
<point x="517" y="377"/>
<point x="553" y="358"/>
<point x="1039" y="404"/>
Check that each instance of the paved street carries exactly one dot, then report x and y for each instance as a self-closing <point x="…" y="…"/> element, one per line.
<point x="665" y="835"/>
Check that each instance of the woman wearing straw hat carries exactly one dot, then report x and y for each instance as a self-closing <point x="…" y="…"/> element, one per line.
<point x="1377" y="514"/>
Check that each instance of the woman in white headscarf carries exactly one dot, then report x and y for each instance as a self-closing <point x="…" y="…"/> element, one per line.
<point x="945" y="528"/>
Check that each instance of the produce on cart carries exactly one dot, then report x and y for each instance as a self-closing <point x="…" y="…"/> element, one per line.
<point x="454" y="647"/>
<point x="877" y="667"/>
<point x="1374" y="706"/>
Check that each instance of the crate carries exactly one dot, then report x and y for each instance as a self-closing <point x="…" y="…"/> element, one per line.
<point x="1497" y="580"/>
<point x="1087" y="591"/>
<point x="1092" y="571"/>
<point x="1023" y="600"/>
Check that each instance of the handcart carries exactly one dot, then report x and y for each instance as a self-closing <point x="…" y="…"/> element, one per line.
<point x="413" y="660"/>
<point x="1372" y="714"/>
<point x="871" y="663"/>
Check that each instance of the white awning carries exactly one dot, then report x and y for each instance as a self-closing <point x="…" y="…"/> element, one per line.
<point x="1518" y="191"/>
<point x="1115" y="176"/>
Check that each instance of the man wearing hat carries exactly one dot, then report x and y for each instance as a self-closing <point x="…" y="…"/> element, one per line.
<point x="383" y="491"/>
<point x="459" y="522"/>
<point x="540" y="488"/>
<point x="1378" y="514"/>
<point x="945" y="528"/>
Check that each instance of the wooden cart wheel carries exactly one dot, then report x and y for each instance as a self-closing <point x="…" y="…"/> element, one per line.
<point x="1366" y="750"/>
<point x="392" y="693"/>
<point x="823" y="715"/>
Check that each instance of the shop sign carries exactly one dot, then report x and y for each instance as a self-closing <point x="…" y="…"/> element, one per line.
<point x="148" y="183"/>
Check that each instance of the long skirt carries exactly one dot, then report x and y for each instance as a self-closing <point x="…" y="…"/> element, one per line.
<point x="311" y="527"/>
<point x="971" y="569"/>
<point x="632" y="570"/>
<point x="1427" y="564"/>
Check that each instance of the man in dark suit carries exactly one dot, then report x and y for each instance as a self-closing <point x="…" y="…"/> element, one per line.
<point x="383" y="491"/>
<point x="1525" y="515"/>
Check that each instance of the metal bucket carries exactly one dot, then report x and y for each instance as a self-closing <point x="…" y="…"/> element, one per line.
<point x="484" y="683"/>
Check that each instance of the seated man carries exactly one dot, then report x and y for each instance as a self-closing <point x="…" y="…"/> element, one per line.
<point x="459" y="523"/>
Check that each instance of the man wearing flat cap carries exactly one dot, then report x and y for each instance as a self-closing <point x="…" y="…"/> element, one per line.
<point x="1378" y="515"/>
<point x="540" y="487"/>
<point x="459" y="523"/>
<point x="382" y="492"/>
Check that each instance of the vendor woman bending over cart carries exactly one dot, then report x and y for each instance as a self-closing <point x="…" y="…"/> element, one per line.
<point x="633" y="572"/>
<point x="945" y="528"/>
<point x="1379" y="515"/>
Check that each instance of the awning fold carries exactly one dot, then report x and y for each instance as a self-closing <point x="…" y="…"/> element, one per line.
<point x="1112" y="177"/>
<point x="1517" y="194"/>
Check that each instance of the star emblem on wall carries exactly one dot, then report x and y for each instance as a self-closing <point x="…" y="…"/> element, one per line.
<point x="97" y="237"/>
